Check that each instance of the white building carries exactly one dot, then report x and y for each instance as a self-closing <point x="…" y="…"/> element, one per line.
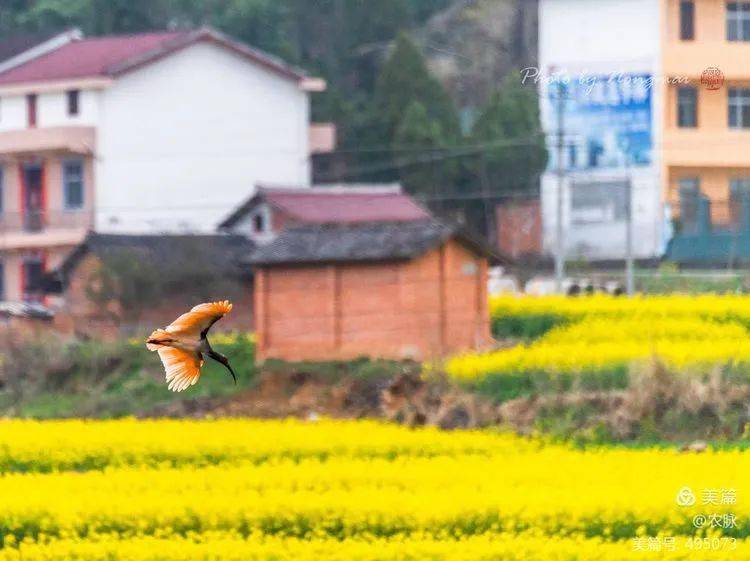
<point x="144" y="133"/>
<point x="607" y="55"/>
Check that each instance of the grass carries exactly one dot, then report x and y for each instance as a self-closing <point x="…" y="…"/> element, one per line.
<point x="332" y="371"/>
<point x="512" y="385"/>
<point x="103" y="380"/>
<point x="526" y="327"/>
<point x="118" y="379"/>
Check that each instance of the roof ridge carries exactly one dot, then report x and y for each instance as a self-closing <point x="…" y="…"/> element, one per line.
<point x="360" y="225"/>
<point x="337" y="189"/>
<point x="93" y="38"/>
<point x="112" y="55"/>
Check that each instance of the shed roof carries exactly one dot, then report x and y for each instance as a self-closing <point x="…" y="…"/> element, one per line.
<point x="377" y="241"/>
<point x="329" y="205"/>
<point x="112" y="55"/>
<point x="219" y="251"/>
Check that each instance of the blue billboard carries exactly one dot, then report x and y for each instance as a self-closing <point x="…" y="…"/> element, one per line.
<point x="606" y="120"/>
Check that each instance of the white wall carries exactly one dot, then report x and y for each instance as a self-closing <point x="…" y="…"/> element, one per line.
<point x="246" y="227"/>
<point x="51" y="111"/>
<point x="595" y="37"/>
<point x="184" y="140"/>
<point x="607" y="239"/>
<point x="597" y="32"/>
<point x="12" y="112"/>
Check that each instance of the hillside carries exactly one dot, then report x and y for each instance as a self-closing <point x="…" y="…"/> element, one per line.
<point x="473" y="44"/>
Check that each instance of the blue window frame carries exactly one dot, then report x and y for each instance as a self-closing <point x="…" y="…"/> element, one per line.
<point x="73" y="184"/>
<point x="738" y="21"/>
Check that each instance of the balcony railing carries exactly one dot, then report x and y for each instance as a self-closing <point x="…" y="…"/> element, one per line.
<point x="41" y="221"/>
<point x="706" y="243"/>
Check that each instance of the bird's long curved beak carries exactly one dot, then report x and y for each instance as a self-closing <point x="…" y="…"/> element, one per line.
<point x="223" y="360"/>
<point x="231" y="372"/>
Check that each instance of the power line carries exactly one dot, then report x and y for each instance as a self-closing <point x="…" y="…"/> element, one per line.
<point x="435" y="155"/>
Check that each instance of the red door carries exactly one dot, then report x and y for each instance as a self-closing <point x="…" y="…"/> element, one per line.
<point x="33" y="197"/>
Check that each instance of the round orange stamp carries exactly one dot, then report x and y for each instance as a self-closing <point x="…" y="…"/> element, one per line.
<point x="712" y="78"/>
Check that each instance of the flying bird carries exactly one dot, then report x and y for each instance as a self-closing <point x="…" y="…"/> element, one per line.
<point x="183" y="344"/>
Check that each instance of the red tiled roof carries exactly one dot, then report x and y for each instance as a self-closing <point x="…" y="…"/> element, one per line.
<point x="337" y="206"/>
<point x="86" y="58"/>
<point x="108" y="56"/>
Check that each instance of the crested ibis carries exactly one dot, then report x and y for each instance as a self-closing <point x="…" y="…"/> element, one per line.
<point x="183" y="344"/>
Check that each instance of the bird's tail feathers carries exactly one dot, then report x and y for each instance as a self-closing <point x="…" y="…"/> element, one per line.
<point x="158" y="339"/>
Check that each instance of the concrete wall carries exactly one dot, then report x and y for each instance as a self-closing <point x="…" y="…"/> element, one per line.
<point x="582" y="32"/>
<point x="581" y="37"/>
<point x="184" y="140"/>
<point x="606" y="239"/>
<point x="420" y="309"/>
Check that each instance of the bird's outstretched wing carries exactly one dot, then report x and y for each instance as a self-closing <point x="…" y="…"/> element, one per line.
<point x="198" y="320"/>
<point x="183" y="368"/>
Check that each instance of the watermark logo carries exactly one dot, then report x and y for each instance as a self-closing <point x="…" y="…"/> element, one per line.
<point x="712" y="78"/>
<point x="685" y="497"/>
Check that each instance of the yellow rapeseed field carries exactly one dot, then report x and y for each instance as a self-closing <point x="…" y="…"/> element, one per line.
<point x="350" y="490"/>
<point x="603" y="333"/>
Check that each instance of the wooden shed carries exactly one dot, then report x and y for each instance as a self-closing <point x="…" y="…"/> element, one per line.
<point x="389" y="290"/>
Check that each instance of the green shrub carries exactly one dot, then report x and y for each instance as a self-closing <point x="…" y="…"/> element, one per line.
<point x="526" y="326"/>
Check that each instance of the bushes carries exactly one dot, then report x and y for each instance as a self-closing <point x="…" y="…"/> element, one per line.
<point x="51" y="377"/>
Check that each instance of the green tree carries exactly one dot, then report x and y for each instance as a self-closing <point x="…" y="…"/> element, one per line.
<point x="509" y="132"/>
<point x="422" y="164"/>
<point x="404" y="79"/>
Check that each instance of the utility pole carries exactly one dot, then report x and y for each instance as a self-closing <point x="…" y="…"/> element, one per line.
<point x="560" y="247"/>
<point x="629" y="267"/>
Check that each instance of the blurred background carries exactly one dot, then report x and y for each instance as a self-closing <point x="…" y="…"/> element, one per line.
<point x="487" y="260"/>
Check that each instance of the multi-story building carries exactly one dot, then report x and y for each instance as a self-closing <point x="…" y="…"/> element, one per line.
<point x="706" y="151"/>
<point x="134" y="134"/>
<point x="597" y="80"/>
<point x="692" y="163"/>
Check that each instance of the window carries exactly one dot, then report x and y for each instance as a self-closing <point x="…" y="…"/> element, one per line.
<point x="259" y="223"/>
<point x="32" y="275"/>
<point x="73" y="184"/>
<point x="687" y="20"/>
<point x="572" y="156"/>
<point x="739" y="108"/>
<point x="738" y="21"/>
<point x="687" y="107"/>
<point x="31" y="110"/>
<point x="599" y="202"/>
<point x="73" y="97"/>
